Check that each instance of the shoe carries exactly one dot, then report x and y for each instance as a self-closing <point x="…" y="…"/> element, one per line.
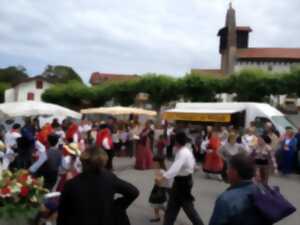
<point x="156" y="220"/>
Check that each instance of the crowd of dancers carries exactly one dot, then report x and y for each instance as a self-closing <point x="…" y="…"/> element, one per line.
<point x="60" y="152"/>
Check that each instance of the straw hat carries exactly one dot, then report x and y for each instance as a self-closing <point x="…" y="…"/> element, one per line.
<point x="2" y="146"/>
<point x="72" y="149"/>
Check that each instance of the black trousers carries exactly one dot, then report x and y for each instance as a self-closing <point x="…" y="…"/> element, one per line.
<point x="170" y="151"/>
<point x="110" y="154"/>
<point x="180" y="197"/>
<point x="189" y="209"/>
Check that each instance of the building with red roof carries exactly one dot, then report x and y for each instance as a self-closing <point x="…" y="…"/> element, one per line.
<point x="101" y="78"/>
<point x="236" y="54"/>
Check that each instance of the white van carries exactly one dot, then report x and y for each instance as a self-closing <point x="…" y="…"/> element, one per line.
<point x="237" y="113"/>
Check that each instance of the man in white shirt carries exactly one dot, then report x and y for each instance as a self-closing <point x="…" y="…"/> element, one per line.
<point x="181" y="170"/>
<point x="10" y="141"/>
<point x="11" y="137"/>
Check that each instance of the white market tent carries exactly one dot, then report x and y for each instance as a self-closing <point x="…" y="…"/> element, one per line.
<point x="35" y="108"/>
<point x="118" y="110"/>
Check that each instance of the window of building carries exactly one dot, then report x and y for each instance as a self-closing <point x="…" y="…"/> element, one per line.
<point x="270" y="67"/>
<point x="30" y="96"/>
<point x="39" y="84"/>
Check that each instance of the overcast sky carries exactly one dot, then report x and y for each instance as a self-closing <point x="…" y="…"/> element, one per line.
<point x="135" y="36"/>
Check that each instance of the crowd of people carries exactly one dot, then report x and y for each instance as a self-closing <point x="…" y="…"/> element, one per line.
<point x="77" y="160"/>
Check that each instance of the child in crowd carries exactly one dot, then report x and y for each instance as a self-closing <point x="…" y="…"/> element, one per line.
<point x="159" y="194"/>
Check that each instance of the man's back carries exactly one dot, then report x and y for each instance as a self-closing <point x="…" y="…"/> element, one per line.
<point x="88" y="199"/>
<point x="54" y="159"/>
<point x="234" y="207"/>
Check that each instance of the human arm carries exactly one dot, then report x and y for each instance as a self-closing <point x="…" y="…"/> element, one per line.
<point x="42" y="157"/>
<point x="223" y="152"/>
<point x="128" y="191"/>
<point x="105" y="143"/>
<point x="176" y="167"/>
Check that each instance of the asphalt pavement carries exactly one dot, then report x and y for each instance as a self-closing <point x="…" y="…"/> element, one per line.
<point x="205" y="192"/>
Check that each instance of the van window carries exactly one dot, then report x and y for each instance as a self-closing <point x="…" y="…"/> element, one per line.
<point x="283" y="122"/>
<point x="260" y="124"/>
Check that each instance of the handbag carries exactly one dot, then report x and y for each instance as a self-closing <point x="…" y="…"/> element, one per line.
<point x="158" y="195"/>
<point x="271" y="203"/>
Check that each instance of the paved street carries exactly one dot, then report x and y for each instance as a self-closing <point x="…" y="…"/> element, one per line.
<point x="205" y="192"/>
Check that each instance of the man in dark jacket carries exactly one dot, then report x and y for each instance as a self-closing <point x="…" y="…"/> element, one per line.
<point x="49" y="170"/>
<point x="88" y="199"/>
<point x="234" y="206"/>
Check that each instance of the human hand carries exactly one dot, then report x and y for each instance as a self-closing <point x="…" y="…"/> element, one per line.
<point x="159" y="180"/>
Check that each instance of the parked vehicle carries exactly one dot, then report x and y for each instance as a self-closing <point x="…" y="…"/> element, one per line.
<point x="238" y="114"/>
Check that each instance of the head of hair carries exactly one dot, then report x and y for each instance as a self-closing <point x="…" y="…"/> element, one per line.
<point x="232" y="136"/>
<point x="181" y="138"/>
<point x="28" y="121"/>
<point x="161" y="161"/>
<point x="55" y="124"/>
<point x="103" y="126"/>
<point x="244" y="165"/>
<point x="16" y="126"/>
<point x="266" y="139"/>
<point x="93" y="160"/>
<point x="70" y="140"/>
<point x="53" y="139"/>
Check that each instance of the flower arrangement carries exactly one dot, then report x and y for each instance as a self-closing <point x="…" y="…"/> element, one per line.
<point x="20" y="194"/>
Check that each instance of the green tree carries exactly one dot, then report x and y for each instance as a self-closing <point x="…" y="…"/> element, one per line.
<point x="124" y="93"/>
<point x="161" y="88"/>
<point x="13" y="74"/>
<point x="101" y="94"/>
<point x="61" y="74"/>
<point x="3" y="87"/>
<point x="200" y="88"/>
<point x="72" y="94"/>
<point x="252" y="85"/>
<point x="291" y="82"/>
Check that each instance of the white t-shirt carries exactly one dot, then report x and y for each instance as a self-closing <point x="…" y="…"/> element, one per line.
<point x="183" y="165"/>
<point x="11" y="140"/>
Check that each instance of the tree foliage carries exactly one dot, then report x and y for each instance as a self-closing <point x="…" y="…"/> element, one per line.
<point x="248" y="85"/>
<point x="61" y="74"/>
<point x="13" y="74"/>
<point x="200" y="88"/>
<point x="161" y="89"/>
<point x="3" y="87"/>
<point x="73" y="94"/>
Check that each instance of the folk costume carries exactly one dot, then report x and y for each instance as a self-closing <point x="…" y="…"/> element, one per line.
<point x="213" y="162"/>
<point x="104" y="140"/>
<point x="70" y="165"/>
<point x="143" y="152"/>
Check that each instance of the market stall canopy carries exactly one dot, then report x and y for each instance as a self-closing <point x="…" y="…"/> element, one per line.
<point x="119" y="110"/>
<point x="35" y="108"/>
<point x="202" y="112"/>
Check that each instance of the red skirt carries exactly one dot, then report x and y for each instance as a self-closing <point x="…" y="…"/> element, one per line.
<point x="213" y="163"/>
<point x="144" y="158"/>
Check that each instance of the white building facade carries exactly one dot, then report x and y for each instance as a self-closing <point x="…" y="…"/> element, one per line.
<point x="282" y="67"/>
<point x="30" y="89"/>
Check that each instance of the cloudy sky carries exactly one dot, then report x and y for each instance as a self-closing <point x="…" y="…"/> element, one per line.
<point x="135" y="36"/>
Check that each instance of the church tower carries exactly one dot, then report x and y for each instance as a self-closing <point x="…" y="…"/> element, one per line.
<point x="228" y="42"/>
